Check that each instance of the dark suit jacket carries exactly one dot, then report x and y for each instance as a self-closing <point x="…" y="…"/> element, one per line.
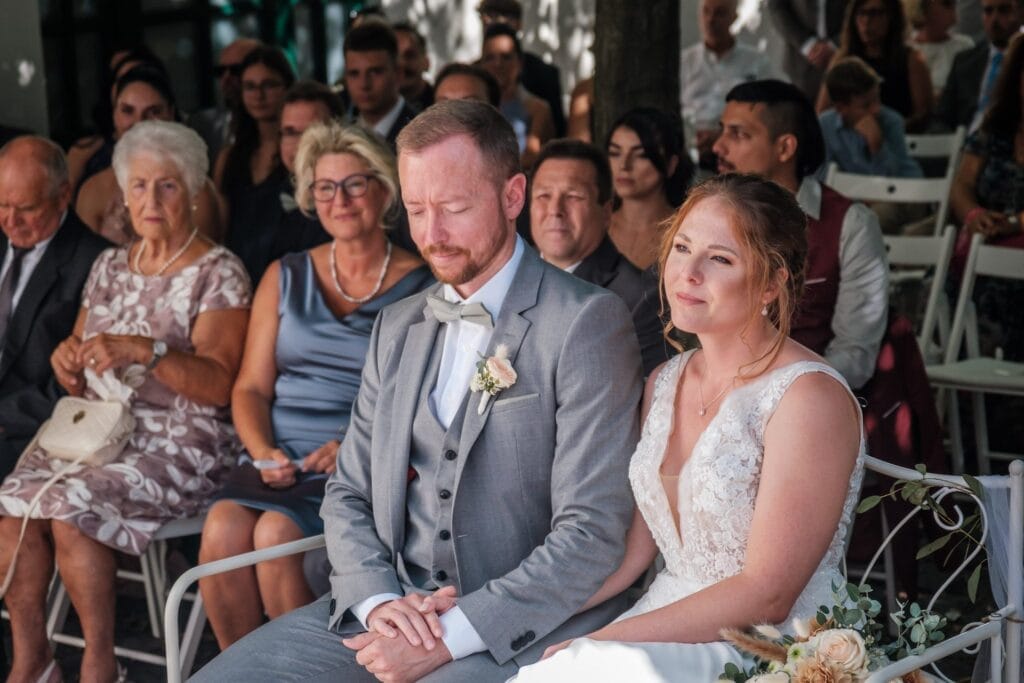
<point x="542" y="79"/>
<point x="404" y="117"/>
<point x="608" y="268"/>
<point x="797" y="22"/>
<point x="960" y="96"/>
<point x="44" y="317"/>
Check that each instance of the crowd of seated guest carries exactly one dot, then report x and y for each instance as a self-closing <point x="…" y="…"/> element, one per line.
<point x="304" y="194"/>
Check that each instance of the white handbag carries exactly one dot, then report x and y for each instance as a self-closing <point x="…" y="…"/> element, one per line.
<point x="91" y="432"/>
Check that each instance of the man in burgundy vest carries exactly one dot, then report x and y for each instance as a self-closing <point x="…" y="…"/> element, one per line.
<point x="770" y="128"/>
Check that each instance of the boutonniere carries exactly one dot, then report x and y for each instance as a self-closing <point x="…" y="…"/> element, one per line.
<point x="492" y="375"/>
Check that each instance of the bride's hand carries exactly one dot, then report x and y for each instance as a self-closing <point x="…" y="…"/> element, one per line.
<point x="555" y="648"/>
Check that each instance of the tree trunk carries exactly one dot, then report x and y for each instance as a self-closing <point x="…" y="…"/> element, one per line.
<point x="636" y="50"/>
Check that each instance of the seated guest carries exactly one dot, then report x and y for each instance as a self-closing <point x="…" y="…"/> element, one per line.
<point x="711" y="68"/>
<point x="529" y="116"/>
<point x="570" y="209"/>
<point x="932" y="21"/>
<point x="727" y="455"/>
<point x="305" y="103"/>
<point x="861" y="134"/>
<point x="650" y="174"/>
<point x="169" y="309"/>
<point x="769" y="128"/>
<point x="459" y="81"/>
<point x="988" y="198"/>
<point x="141" y="94"/>
<point x="413" y="62"/>
<point x="875" y="31"/>
<point x="972" y="77"/>
<point x="312" y="317"/>
<point x="372" y="80"/>
<point x="249" y="172"/>
<point x="45" y="256"/>
<point x="214" y="123"/>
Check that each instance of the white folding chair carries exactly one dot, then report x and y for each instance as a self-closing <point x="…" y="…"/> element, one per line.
<point x="977" y="374"/>
<point x="872" y="188"/>
<point x="180" y="656"/>
<point x="926" y="257"/>
<point x="1002" y="628"/>
<point x="947" y="146"/>
<point x="152" y="575"/>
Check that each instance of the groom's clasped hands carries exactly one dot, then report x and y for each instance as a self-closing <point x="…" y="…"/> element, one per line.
<point x="403" y="640"/>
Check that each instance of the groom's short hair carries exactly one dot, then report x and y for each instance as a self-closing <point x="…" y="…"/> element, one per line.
<point x="482" y="123"/>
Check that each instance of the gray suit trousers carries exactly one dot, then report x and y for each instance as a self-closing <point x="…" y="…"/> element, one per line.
<point x="298" y="647"/>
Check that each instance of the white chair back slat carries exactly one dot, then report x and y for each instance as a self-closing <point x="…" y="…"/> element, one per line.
<point x="884" y="189"/>
<point x="936" y="146"/>
<point x="1004" y="262"/>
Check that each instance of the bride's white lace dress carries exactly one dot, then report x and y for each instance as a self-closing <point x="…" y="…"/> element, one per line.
<point x="717" y="489"/>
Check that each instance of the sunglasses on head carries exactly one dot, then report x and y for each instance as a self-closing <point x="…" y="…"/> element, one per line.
<point x="233" y="69"/>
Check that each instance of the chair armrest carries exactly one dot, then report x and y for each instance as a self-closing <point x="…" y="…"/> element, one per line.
<point x="177" y="592"/>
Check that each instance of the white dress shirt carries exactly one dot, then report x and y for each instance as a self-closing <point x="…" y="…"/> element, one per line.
<point x="464" y="344"/>
<point x="862" y="303"/>
<point x="28" y="264"/>
<point x="383" y="126"/>
<point x="706" y="78"/>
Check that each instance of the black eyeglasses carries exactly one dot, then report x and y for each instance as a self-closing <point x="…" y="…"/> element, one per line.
<point x="353" y="186"/>
<point x="233" y="69"/>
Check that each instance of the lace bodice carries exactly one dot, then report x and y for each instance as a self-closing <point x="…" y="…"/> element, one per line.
<point x="718" y="486"/>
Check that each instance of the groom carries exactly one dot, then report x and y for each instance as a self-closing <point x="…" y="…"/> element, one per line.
<point x="519" y="501"/>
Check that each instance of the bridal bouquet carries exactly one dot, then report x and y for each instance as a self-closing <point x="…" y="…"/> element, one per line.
<point x="839" y="645"/>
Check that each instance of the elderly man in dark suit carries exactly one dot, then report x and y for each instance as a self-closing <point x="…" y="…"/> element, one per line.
<point x="810" y="29"/>
<point x="974" y="72"/>
<point x="46" y="256"/>
<point x="570" y="210"/>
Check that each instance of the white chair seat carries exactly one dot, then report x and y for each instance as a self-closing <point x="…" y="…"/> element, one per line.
<point x="983" y="374"/>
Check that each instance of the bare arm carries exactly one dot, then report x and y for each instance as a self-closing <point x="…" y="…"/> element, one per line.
<point x="67" y="369"/>
<point x="796" y="483"/>
<point x="961" y="194"/>
<point x="78" y="156"/>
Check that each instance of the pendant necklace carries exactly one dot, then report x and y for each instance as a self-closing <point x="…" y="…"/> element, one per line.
<point x="373" y="293"/>
<point x="700" y="394"/>
<point x="168" y="262"/>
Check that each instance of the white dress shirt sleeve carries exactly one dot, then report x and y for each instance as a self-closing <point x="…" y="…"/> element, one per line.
<point x="862" y="304"/>
<point x="460" y="637"/>
<point x="362" y="610"/>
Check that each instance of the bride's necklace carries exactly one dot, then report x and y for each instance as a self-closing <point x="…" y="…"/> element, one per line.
<point x="700" y="394"/>
<point x="168" y="262"/>
<point x="373" y="293"/>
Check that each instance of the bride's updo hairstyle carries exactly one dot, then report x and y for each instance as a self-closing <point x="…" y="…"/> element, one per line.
<point x="772" y="229"/>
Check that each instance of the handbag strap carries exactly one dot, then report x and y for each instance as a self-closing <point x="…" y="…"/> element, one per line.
<point x="32" y="505"/>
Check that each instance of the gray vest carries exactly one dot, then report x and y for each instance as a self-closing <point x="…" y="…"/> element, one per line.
<point x="429" y="550"/>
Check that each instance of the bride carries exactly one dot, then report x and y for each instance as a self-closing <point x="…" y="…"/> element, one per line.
<point x="749" y="464"/>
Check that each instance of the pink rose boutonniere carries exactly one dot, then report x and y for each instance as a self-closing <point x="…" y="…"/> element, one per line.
<point x="493" y="375"/>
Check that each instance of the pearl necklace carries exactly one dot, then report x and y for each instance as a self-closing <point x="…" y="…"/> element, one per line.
<point x="700" y="393"/>
<point x="376" y="288"/>
<point x="168" y="262"/>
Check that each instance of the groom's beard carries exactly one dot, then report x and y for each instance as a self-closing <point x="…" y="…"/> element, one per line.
<point x="466" y="267"/>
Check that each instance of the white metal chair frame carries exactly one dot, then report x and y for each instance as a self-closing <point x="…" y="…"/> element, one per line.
<point x="926" y="253"/>
<point x="885" y="189"/>
<point x="977" y="374"/>
<point x="939" y="145"/>
<point x="1002" y="626"/>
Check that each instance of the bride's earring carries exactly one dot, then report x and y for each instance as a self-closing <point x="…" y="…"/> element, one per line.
<point x="764" y="310"/>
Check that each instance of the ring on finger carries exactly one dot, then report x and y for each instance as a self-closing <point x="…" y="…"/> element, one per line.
<point x="92" y="361"/>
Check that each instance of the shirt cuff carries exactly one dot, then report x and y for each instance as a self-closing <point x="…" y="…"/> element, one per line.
<point x="805" y="49"/>
<point x="460" y="637"/>
<point x="362" y="610"/>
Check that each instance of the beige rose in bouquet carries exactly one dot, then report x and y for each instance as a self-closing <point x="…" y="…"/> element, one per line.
<point x="843" y="648"/>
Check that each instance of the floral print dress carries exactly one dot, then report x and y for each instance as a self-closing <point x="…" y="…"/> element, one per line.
<point x="180" y="449"/>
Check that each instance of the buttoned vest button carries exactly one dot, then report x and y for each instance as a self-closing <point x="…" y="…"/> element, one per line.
<point x="445" y="494"/>
<point x="445" y="534"/>
<point x="441" y="575"/>
<point x="450" y="454"/>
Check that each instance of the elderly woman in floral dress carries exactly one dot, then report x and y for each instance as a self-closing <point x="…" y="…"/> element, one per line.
<point x="172" y="307"/>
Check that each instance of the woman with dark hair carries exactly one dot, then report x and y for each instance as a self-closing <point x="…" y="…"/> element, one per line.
<point x="876" y="31"/>
<point x="249" y="172"/>
<point x="987" y="197"/>
<point x="651" y="173"/>
<point x="91" y="154"/>
<point x="142" y="94"/>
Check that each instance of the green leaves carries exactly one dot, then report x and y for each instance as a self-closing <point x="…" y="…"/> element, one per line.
<point x="868" y="503"/>
<point x="937" y="544"/>
<point x="972" y="582"/>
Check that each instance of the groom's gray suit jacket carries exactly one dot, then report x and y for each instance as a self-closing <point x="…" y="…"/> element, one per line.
<point x="540" y="503"/>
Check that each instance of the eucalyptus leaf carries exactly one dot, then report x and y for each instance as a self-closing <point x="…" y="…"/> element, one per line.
<point x="868" y="503"/>
<point x="937" y="544"/>
<point x="915" y="609"/>
<point x="972" y="583"/>
<point x="918" y="634"/>
<point x="976" y="487"/>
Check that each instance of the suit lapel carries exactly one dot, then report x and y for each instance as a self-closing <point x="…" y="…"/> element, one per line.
<point x="412" y="370"/>
<point x="510" y="330"/>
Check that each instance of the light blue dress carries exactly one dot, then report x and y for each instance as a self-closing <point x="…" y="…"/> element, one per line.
<point x="319" y="362"/>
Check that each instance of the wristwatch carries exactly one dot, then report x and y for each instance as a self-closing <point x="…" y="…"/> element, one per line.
<point x="159" y="351"/>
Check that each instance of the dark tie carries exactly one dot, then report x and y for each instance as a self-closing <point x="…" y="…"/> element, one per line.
<point x="446" y="311"/>
<point x="8" y="286"/>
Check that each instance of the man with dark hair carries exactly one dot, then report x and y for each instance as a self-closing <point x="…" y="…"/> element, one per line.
<point x="974" y="72"/>
<point x="459" y="81"/>
<point x="770" y="128"/>
<point x="46" y="254"/>
<point x="372" y="79"/>
<point x="444" y="488"/>
<point x="537" y="76"/>
<point x="413" y="62"/>
<point x="570" y="210"/>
